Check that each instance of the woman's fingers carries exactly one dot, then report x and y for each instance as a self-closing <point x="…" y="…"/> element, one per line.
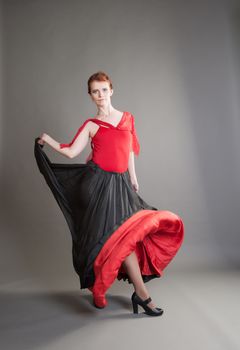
<point x="41" y="141"/>
<point x="136" y="187"/>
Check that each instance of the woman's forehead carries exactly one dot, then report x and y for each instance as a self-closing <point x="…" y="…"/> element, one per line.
<point x="97" y="84"/>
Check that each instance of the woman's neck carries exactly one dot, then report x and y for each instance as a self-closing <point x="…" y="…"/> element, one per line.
<point x="105" y="111"/>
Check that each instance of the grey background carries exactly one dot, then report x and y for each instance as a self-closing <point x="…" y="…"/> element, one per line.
<point x="174" y="65"/>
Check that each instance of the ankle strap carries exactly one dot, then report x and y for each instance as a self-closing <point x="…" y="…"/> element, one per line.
<point x="145" y="302"/>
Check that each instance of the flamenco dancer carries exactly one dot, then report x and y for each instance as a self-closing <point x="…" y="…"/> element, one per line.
<point x="115" y="233"/>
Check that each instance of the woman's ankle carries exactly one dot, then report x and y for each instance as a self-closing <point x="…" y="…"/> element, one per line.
<point x="142" y="293"/>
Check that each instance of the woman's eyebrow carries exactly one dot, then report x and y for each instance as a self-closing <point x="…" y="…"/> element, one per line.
<point x="98" y="89"/>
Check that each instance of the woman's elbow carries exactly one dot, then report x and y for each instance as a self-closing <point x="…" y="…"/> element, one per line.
<point x="72" y="154"/>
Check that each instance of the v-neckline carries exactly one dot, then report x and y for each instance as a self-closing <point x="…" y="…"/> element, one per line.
<point x="115" y="127"/>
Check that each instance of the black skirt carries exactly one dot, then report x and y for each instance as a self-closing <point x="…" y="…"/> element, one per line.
<point x="94" y="203"/>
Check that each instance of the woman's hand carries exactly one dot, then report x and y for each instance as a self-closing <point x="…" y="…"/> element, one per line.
<point x="135" y="184"/>
<point x="43" y="139"/>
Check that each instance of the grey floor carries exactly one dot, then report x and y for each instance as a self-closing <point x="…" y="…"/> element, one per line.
<point x="201" y="311"/>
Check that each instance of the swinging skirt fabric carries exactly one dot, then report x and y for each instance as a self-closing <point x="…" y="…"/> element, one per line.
<point x="108" y="220"/>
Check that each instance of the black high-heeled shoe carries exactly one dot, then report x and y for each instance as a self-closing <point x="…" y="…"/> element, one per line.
<point x="136" y="300"/>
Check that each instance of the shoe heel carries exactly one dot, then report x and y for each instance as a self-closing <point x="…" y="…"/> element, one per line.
<point x="135" y="307"/>
<point x="136" y="300"/>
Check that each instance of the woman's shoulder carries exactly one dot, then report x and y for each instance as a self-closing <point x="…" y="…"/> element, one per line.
<point x="87" y="124"/>
<point x="130" y="117"/>
<point x="128" y="113"/>
<point x="89" y="121"/>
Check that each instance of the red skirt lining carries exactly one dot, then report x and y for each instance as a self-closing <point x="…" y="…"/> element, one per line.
<point x="155" y="236"/>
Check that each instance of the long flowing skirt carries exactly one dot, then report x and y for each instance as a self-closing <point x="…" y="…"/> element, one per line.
<point x="108" y="220"/>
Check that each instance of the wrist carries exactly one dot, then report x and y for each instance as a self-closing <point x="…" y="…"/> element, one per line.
<point x="46" y="138"/>
<point x="133" y="177"/>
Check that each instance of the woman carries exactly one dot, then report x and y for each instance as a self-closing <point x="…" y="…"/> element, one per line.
<point x="115" y="233"/>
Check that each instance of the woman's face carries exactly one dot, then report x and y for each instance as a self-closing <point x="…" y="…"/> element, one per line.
<point x="101" y="93"/>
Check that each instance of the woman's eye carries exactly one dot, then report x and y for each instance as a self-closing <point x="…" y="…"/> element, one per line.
<point x="95" y="91"/>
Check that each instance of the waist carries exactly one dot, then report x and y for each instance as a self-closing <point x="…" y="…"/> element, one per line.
<point x="107" y="168"/>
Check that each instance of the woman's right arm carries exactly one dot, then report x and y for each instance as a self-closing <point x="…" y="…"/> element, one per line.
<point x="77" y="146"/>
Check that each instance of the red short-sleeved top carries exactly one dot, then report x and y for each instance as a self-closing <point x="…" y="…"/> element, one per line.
<point x="111" y="145"/>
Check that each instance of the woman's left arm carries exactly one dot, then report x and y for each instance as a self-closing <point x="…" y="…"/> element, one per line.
<point x="132" y="172"/>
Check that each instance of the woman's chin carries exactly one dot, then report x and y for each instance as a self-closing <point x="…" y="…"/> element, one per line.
<point x="101" y="103"/>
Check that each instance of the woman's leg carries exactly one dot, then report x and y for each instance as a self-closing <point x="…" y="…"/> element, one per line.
<point x="132" y="268"/>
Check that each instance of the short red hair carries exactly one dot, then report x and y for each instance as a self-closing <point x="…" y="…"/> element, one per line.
<point x="99" y="76"/>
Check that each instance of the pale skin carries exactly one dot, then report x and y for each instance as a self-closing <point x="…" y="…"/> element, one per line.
<point x="101" y="95"/>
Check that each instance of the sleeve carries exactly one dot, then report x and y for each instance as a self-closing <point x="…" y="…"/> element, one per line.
<point x="135" y="142"/>
<point x="62" y="145"/>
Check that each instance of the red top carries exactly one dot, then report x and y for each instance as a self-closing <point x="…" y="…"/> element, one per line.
<point x="111" y="145"/>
